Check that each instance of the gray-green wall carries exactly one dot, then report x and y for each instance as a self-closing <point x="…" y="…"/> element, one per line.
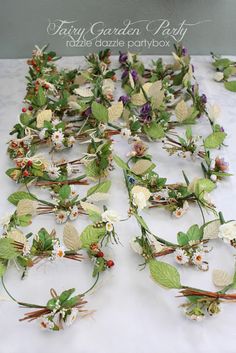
<point x="23" y="23"/>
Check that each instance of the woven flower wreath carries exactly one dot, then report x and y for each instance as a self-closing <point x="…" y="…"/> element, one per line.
<point x="65" y="109"/>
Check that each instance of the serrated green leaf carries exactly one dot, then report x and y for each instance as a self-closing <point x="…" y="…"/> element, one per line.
<point x="221" y="63"/>
<point x="164" y="274"/>
<point x="91" y="235"/>
<point x="154" y="131"/>
<point x="65" y="192"/>
<point x="101" y="187"/>
<point x="64" y="296"/>
<point x="182" y="238"/>
<point x="204" y="185"/>
<point x="215" y="139"/>
<point x="194" y="233"/>
<point x="230" y="86"/>
<point x="25" y="119"/>
<point x="20" y="195"/>
<point x="7" y="249"/>
<point x="99" y="112"/>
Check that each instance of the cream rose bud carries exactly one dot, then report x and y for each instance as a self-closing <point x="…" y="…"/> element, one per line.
<point x="227" y="231"/>
<point x="213" y="112"/>
<point x="219" y="76"/>
<point x="110" y="216"/>
<point x="140" y="196"/>
<point x="136" y="247"/>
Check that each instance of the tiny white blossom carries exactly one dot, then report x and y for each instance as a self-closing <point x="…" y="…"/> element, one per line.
<point x="181" y="256"/>
<point x="109" y="227"/>
<point x="126" y="133"/>
<point x="61" y="216"/>
<point x="57" y="137"/>
<point x="74" y="213"/>
<point x="53" y="172"/>
<point x="197" y="258"/>
<point x="45" y="323"/>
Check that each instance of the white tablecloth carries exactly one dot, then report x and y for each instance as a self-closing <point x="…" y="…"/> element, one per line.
<point x="132" y="314"/>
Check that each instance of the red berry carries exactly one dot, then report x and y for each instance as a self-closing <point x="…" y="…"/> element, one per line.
<point x="30" y="108"/>
<point x="25" y="173"/>
<point x="33" y="62"/>
<point x="24" y="110"/>
<point x="29" y="163"/>
<point x="110" y="263"/>
<point x="49" y="58"/>
<point x="46" y="86"/>
<point x="100" y="254"/>
<point x="38" y="69"/>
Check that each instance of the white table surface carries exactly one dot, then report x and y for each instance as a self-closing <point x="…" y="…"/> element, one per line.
<point x="133" y="314"/>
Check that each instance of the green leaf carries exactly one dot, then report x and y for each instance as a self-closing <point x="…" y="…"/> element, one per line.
<point x="91" y="235"/>
<point x="215" y="139"/>
<point x="230" y="85"/>
<point x="65" y="192"/>
<point x="194" y="233"/>
<point x="7" y="249"/>
<point x="24" y="220"/>
<point x="154" y="130"/>
<point x="182" y="238"/>
<point x="120" y="163"/>
<point x="66" y="295"/>
<point x="164" y="274"/>
<point x="99" y="112"/>
<point x="20" y="195"/>
<point x="204" y="185"/>
<point x="25" y="119"/>
<point x="40" y="99"/>
<point x="94" y="216"/>
<point x="221" y="63"/>
<point x="102" y="187"/>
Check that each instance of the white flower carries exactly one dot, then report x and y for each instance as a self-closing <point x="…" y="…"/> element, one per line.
<point x="61" y="216"/>
<point x="110" y="216"/>
<point x="227" y="231"/>
<point x="74" y="213"/>
<point x="219" y="76"/>
<point x="136" y="247"/>
<point x="213" y="112"/>
<point x="125" y="133"/>
<point x="57" y="137"/>
<point x="59" y="252"/>
<point x="109" y="227"/>
<point x="140" y="196"/>
<point x="73" y="192"/>
<point x="179" y="212"/>
<point x="181" y="256"/>
<point x="197" y="258"/>
<point x="53" y="172"/>
<point x="213" y="177"/>
<point x="45" y="323"/>
<point x="70" y="319"/>
<point x="42" y="134"/>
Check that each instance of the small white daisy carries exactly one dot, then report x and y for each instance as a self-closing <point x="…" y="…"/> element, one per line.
<point x="61" y="216"/>
<point x="74" y="213"/>
<point x="109" y="227"/>
<point x="57" y="137"/>
<point x="181" y="256"/>
<point x="53" y="172"/>
<point x="198" y="258"/>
